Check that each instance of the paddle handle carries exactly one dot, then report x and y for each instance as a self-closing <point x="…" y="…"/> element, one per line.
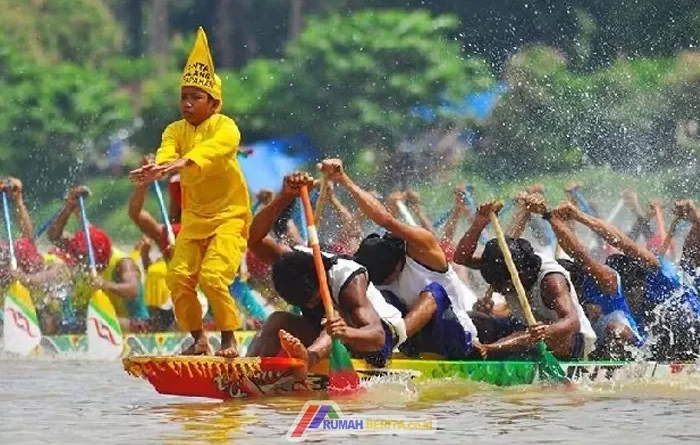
<point x="320" y="204"/>
<point x="164" y="213"/>
<point x="515" y="278"/>
<point x="405" y="213"/>
<point x="8" y="228"/>
<point x="44" y="227"/>
<point x="669" y="235"/>
<point x="88" y="240"/>
<point x="318" y="259"/>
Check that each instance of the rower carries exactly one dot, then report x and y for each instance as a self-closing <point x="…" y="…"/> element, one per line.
<point x="598" y="285"/>
<point x="366" y="323"/>
<point x="551" y="294"/>
<point x="118" y="276"/>
<point x="654" y="290"/>
<point x="408" y="262"/>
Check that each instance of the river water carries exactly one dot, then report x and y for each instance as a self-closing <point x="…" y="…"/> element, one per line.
<point x="79" y="401"/>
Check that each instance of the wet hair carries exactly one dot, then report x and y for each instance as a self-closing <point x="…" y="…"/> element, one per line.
<point x="493" y="265"/>
<point x="294" y="276"/>
<point x="632" y="271"/>
<point x="380" y="255"/>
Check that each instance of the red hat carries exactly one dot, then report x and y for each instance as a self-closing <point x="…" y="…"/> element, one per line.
<point x="28" y="257"/>
<point x="101" y="245"/>
<point x="163" y="242"/>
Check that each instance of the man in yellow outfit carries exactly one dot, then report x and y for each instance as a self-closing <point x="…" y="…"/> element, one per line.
<point x="202" y="147"/>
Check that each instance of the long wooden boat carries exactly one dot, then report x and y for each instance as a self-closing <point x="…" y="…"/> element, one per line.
<point x="219" y="378"/>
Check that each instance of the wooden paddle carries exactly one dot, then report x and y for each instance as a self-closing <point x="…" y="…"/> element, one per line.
<point x="318" y="211"/>
<point x="103" y="329"/>
<point x="342" y="377"/>
<point x="669" y="235"/>
<point x="21" y="332"/>
<point x="549" y="368"/>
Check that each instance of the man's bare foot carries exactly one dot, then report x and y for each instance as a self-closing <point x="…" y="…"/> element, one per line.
<point x="199" y="347"/>
<point x="228" y="345"/>
<point x="228" y="351"/>
<point x="295" y="349"/>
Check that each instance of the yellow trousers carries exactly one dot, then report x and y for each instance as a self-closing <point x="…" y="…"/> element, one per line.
<point x="213" y="263"/>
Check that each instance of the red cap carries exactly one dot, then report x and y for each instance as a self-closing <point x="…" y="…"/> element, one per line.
<point x="28" y="257"/>
<point x="101" y="245"/>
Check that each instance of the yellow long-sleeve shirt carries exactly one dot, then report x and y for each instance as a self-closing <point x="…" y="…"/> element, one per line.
<point x="214" y="192"/>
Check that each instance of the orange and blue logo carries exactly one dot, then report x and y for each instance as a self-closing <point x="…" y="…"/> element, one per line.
<point x="325" y="417"/>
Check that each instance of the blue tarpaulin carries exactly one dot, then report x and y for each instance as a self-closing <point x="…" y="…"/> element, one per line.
<point x="477" y="105"/>
<point x="272" y="159"/>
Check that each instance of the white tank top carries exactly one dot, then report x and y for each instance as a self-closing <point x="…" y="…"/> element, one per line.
<point x="342" y="272"/>
<point x="543" y="313"/>
<point x="414" y="278"/>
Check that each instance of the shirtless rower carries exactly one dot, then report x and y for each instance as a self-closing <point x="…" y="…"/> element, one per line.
<point x="408" y="262"/>
<point x="368" y="325"/>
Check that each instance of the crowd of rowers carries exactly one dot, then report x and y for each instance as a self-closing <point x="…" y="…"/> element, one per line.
<point x="403" y="285"/>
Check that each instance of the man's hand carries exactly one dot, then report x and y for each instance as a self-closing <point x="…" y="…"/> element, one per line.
<point x="264" y="196"/>
<point x="332" y="169"/>
<point x="535" y="188"/>
<point x="148" y="159"/>
<point x="484" y="211"/>
<point x="144" y="246"/>
<point x="685" y="209"/>
<point x="538" y="332"/>
<point x="14" y="187"/>
<point x="97" y="282"/>
<point x="534" y="203"/>
<point x="565" y="211"/>
<point x="412" y="197"/>
<point x="571" y="185"/>
<point x="336" y="327"/>
<point x="72" y="198"/>
<point x="291" y="185"/>
<point x="630" y="198"/>
<point x="151" y="172"/>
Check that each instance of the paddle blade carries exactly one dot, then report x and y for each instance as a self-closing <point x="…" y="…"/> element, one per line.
<point x="21" y="332"/>
<point x="103" y="331"/>
<point x="549" y="369"/>
<point x="342" y="378"/>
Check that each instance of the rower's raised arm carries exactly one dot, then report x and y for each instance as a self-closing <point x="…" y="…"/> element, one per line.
<point x="605" y="277"/>
<point x="466" y="249"/>
<point x="259" y="242"/>
<point x="686" y="210"/>
<point x="614" y="236"/>
<point x="417" y="237"/>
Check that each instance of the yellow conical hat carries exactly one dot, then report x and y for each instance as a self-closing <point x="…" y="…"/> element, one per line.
<point x="199" y="71"/>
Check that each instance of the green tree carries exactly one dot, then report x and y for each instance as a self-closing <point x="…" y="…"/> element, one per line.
<point x="50" y="119"/>
<point x="80" y="31"/>
<point x="350" y="81"/>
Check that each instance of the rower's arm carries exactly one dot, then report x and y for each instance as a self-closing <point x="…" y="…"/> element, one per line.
<point x="518" y="221"/>
<point x="142" y="217"/>
<point x="421" y="243"/>
<point x="613" y="236"/>
<point x="556" y="294"/>
<point x="605" y="277"/>
<point x="25" y="221"/>
<point x="128" y="285"/>
<point x="465" y="253"/>
<point x="369" y="336"/>
<point x="259" y="242"/>
<point x="52" y="274"/>
<point x="55" y="231"/>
